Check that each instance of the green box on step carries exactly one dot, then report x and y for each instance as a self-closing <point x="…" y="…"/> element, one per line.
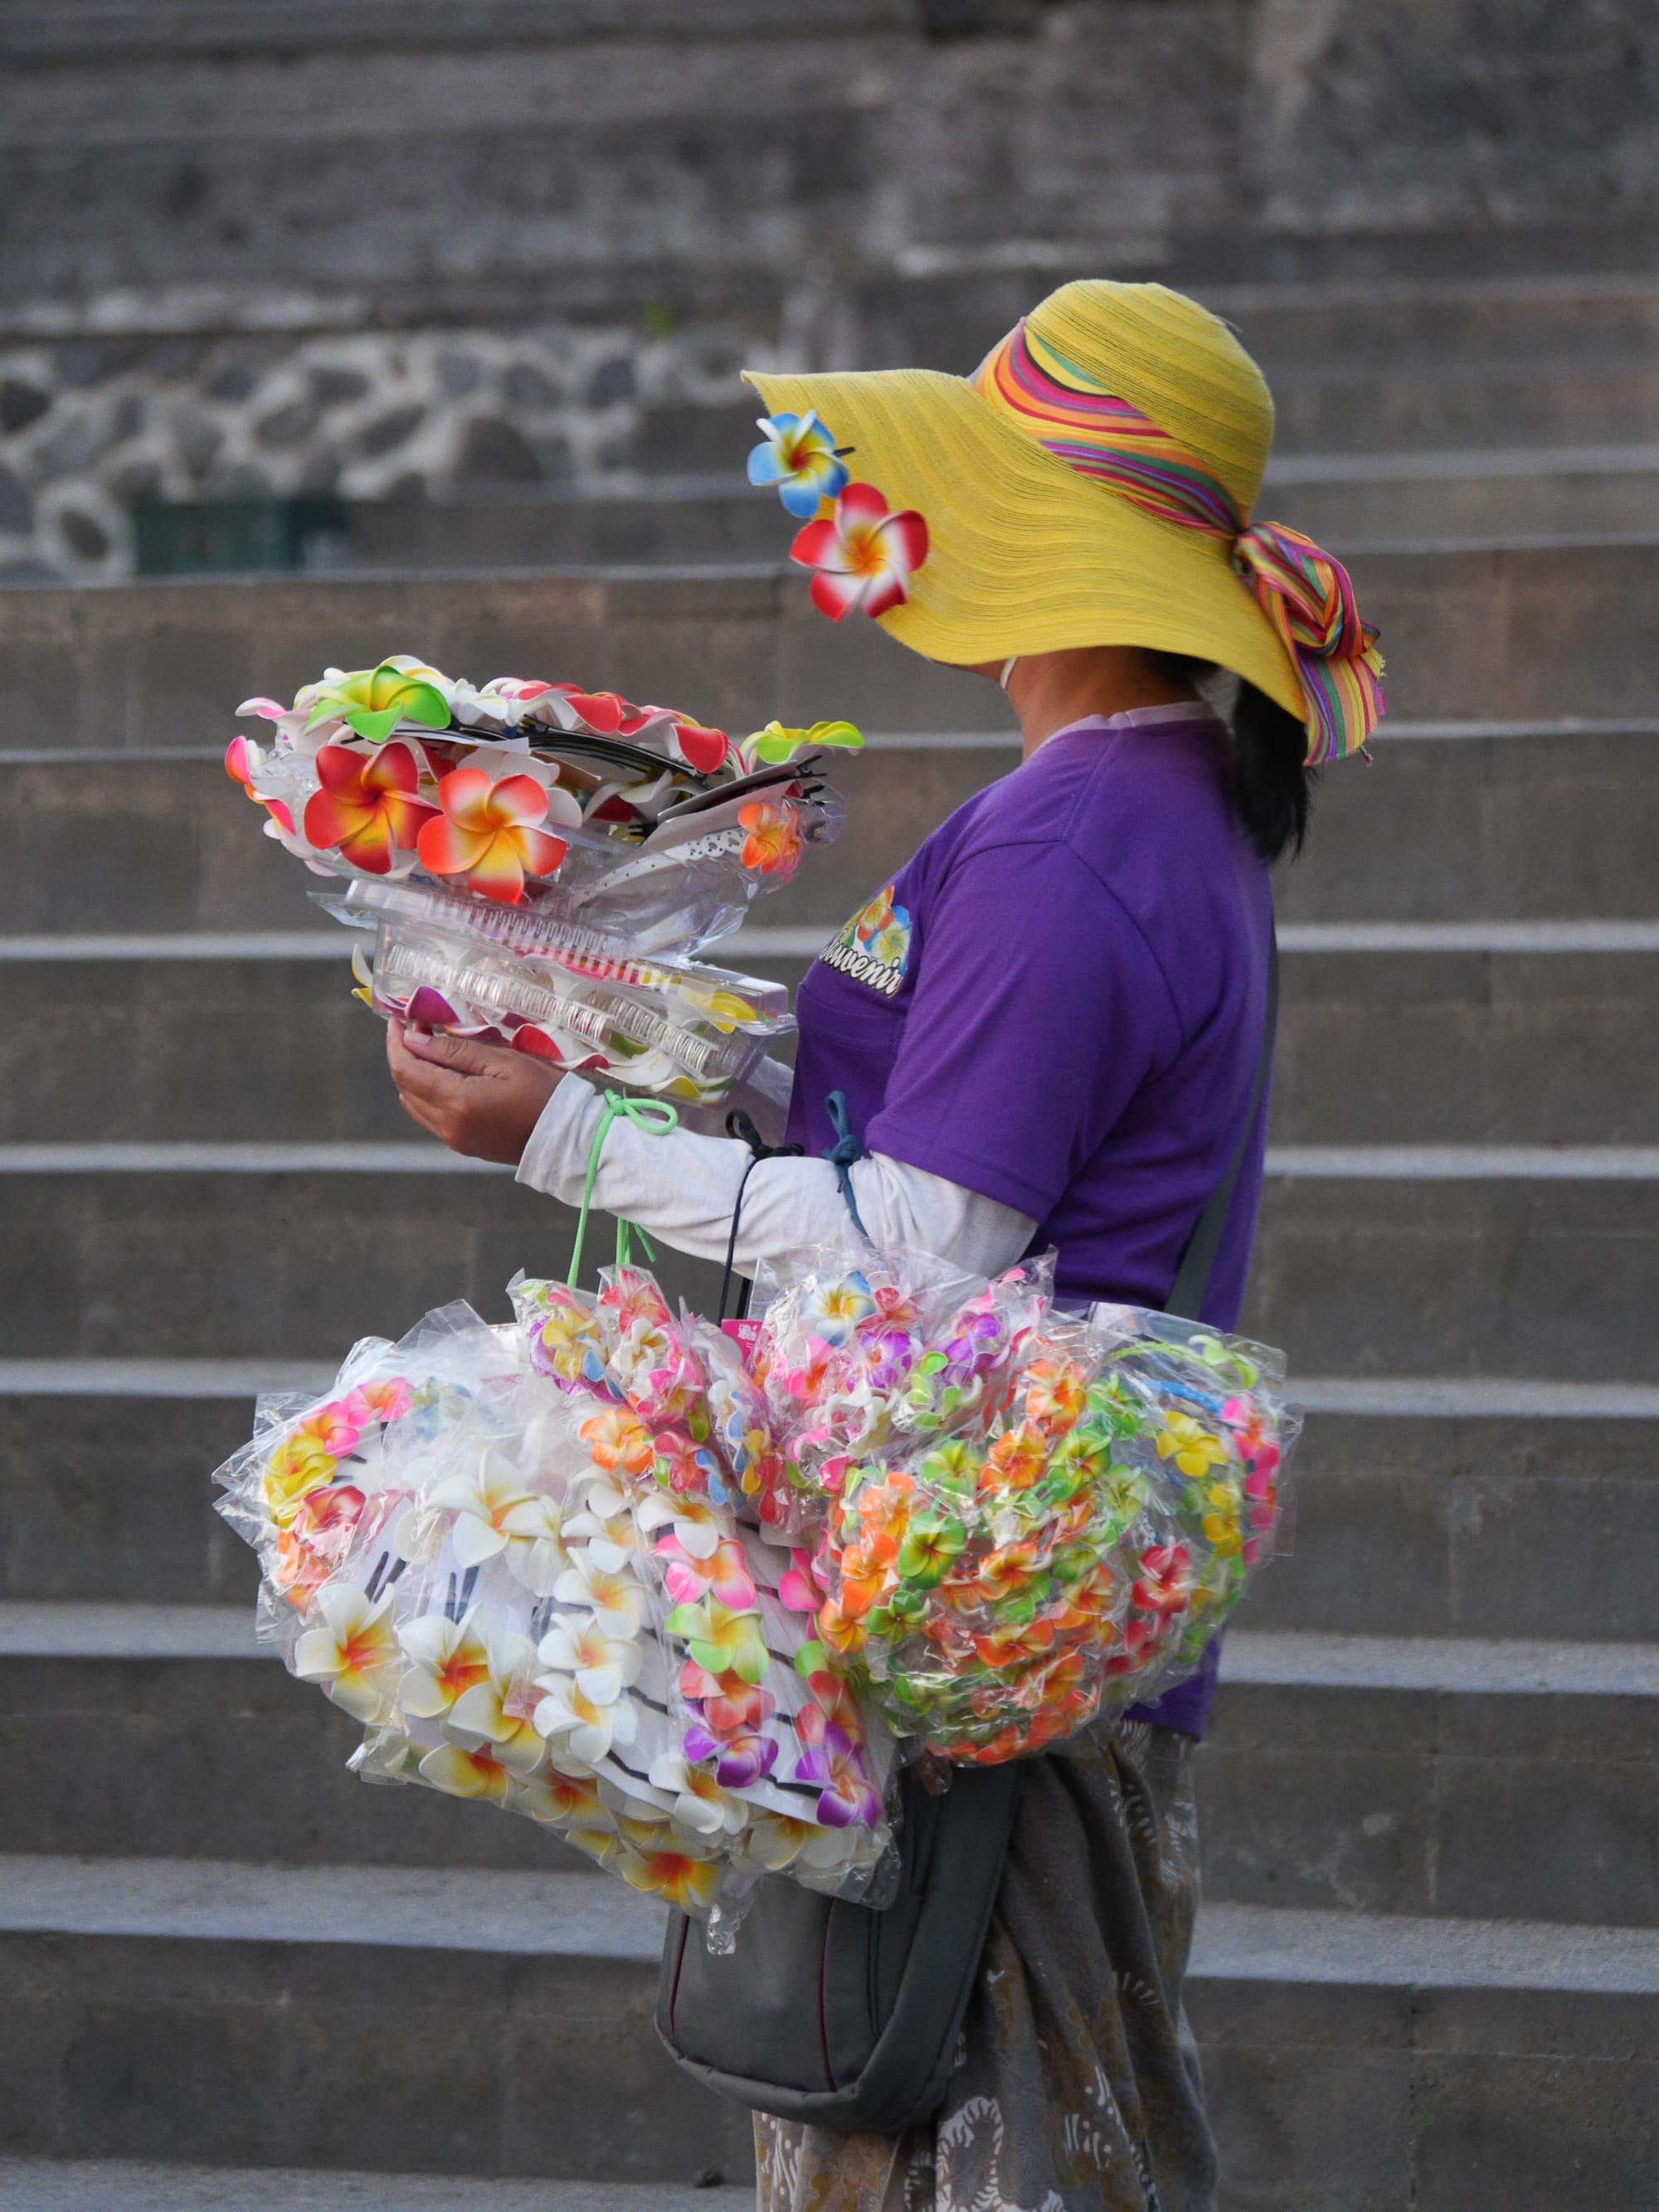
<point x="238" y="536"/>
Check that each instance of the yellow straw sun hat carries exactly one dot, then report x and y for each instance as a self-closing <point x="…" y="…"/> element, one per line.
<point x="1091" y="484"/>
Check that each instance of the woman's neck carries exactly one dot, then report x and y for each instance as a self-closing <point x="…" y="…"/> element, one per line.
<point x="1050" y="691"/>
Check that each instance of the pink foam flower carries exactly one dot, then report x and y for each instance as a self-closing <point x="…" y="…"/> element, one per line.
<point x="864" y="555"/>
<point x="722" y="1574"/>
<point x="487" y="833"/>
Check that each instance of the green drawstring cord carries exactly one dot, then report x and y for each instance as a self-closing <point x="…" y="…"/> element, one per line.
<point x="657" y="1118"/>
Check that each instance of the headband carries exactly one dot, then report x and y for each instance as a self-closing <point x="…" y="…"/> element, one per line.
<point x="1304" y="593"/>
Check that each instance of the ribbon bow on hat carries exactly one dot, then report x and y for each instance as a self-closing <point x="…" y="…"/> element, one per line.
<point x="1303" y="591"/>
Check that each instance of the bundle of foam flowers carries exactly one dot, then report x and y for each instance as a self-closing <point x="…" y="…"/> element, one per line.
<point x="520" y="847"/>
<point x="676" y="1590"/>
<point x="514" y="1555"/>
<point x="1025" y="1515"/>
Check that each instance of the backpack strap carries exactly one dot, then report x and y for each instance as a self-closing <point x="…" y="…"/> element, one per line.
<point x="1192" y="1281"/>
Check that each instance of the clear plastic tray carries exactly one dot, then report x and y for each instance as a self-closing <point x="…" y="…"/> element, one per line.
<point x="678" y="1028"/>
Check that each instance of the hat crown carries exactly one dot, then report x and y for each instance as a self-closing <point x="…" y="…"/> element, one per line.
<point x="1179" y="364"/>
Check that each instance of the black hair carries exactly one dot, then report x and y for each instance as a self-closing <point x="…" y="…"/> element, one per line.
<point x="1273" y="783"/>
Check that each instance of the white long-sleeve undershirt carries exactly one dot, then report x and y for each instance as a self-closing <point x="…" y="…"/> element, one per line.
<point x="682" y="1188"/>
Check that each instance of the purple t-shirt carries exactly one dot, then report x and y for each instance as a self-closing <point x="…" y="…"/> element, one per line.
<point x="1058" y="1003"/>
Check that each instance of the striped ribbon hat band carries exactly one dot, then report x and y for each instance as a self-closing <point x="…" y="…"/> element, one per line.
<point x="1305" y="592"/>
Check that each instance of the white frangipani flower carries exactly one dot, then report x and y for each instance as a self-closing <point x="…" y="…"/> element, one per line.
<point x="353" y="1653"/>
<point x="449" y="1658"/>
<point x="600" y="1576"/>
<point x="497" y="1714"/>
<point x="700" y="1803"/>
<point x="588" y="1647"/>
<point x="498" y="1510"/>
<point x="589" y="1729"/>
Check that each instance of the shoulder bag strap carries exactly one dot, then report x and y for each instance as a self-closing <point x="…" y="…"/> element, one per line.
<point x="1192" y="1281"/>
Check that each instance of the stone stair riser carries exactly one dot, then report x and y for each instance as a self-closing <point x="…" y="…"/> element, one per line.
<point x="1448" y="2101"/>
<point x="1444" y="1526"/>
<point x="1404" y="1526"/>
<point x="1403" y="1802"/>
<point x="1368" y="1277"/>
<point x="1540" y="827"/>
<point x="611" y="527"/>
<point x="1533" y="630"/>
<point x="1395" y="1801"/>
<point x="1458" y="2101"/>
<point x="293" y="2054"/>
<point x="1382" y="1048"/>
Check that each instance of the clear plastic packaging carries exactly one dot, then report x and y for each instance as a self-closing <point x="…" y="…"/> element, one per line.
<point x="1082" y="1546"/>
<point x="489" y="1565"/>
<point x="677" y="1028"/>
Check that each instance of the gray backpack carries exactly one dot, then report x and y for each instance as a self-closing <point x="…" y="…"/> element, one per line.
<point x="848" y="2017"/>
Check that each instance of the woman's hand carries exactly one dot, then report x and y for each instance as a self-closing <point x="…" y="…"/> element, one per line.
<point x="482" y="1100"/>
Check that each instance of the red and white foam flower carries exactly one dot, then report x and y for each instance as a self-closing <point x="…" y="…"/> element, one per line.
<point x="488" y="834"/>
<point x="863" y="556"/>
<point x="368" y="809"/>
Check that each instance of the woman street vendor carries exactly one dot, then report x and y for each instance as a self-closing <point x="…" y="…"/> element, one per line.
<point x="1046" y="1031"/>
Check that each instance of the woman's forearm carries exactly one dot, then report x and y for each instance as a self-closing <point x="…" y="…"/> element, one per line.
<point x="683" y="1188"/>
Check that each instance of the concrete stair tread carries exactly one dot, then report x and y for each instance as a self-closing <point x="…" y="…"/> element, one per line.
<point x="1389" y="1397"/>
<point x="585" y="1916"/>
<point x="366" y="1157"/>
<point x="1509" y="1667"/>
<point x="118" y="2186"/>
<point x="762" y="940"/>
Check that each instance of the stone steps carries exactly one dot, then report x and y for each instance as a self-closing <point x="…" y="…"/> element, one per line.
<point x="1465" y="824"/>
<point x="1320" y="2032"/>
<point x="132" y="2185"/>
<point x="1393" y="1045"/>
<point x="1377" y="1773"/>
<point x="1339" y="498"/>
<point x="1445" y="1260"/>
<point x="1500" y="632"/>
<point x="1428" y="1512"/>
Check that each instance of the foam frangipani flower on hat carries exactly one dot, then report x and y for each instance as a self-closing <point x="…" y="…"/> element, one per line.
<point x="372" y="702"/>
<point x="368" y="809"/>
<point x="862" y="555"/>
<point x="797" y="454"/>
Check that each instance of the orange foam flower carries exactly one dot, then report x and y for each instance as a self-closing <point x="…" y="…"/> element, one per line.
<point x="771" y="842"/>
<point x="487" y="833"/>
<point x="616" y="1438"/>
<point x="366" y="809"/>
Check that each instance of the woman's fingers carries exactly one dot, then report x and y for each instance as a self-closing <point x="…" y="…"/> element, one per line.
<point x="461" y="1056"/>
<point x="482" y="1100"/>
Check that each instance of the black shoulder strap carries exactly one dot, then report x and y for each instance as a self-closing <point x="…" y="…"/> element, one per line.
<point x="1192" y="1281"/>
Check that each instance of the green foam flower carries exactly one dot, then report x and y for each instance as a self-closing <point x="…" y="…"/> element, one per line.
<point x="777" y="743"/>
<point x="372" y="702"/>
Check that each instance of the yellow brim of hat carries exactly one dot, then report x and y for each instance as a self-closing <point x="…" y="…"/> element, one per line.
<point x="1026" y="556"/>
